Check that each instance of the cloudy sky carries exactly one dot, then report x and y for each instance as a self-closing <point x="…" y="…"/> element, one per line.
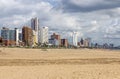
<point x="97" y="19"/>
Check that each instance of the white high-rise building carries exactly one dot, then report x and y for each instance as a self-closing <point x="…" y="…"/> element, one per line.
<point x="35" y="27"/>
<point x="75" y="38"/>
<point x="17" y="36"/>
<point x="43" y="35"/>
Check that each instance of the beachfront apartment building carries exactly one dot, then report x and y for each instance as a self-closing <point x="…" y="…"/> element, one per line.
<point x="27" y="36"/>
<point x="10" y="37"/>
<point x="5" y="33"/>
<point x="43" y="35"/>
<point x="17" y="36"/>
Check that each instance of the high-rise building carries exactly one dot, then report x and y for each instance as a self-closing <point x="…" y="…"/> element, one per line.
<point x="5" y="33"/>
<point x="5" y="36"/>
<point x="35" y="27"/>
<point x="27" y="36"/>
<point x="75" y="38"/>
<point x="10" y="37"/>
<point x="35" y="24"/>
<point x="17" y="36"/>
<point x="43" y="35"/>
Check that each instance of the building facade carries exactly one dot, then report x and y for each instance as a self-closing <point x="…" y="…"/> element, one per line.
<point x="87" y="42"/>
<point x="12" y="37"/>
<point x="35" y="24"/>
<point x="54" y="42"/>
<point x="56" y="37"/>
<point x="5" y="33"/>
<point x="64" y="42"/>
<point x="5" y="36"/>
<point x="75" y="39"/>
<point x="27" y="36"/>
<point x="9" y="37"/>
<point x="43" y="35"/>
<point x="17" y="36"/>
<point x="35" y="27"/>
<point x="34" y="38"/>
<point x="20" y="36"/>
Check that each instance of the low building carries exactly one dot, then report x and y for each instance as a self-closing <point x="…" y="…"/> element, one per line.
<point x="54" y="42"/>
<point x="84" y="42"/>
<point x="57" y="38"/>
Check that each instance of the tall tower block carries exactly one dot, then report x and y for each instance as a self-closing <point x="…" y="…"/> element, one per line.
<point x="35" y="27"/>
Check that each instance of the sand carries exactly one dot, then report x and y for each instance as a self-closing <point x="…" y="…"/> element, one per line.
<point x="21" y="63"/>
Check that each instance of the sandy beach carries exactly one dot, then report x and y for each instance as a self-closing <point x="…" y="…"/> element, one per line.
<point x="21" y="63"/>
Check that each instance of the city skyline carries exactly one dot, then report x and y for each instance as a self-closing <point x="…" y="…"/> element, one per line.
<point x="99" y="20"/>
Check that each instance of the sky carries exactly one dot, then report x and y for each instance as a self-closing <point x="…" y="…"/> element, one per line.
<point x="96" y="19"/>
